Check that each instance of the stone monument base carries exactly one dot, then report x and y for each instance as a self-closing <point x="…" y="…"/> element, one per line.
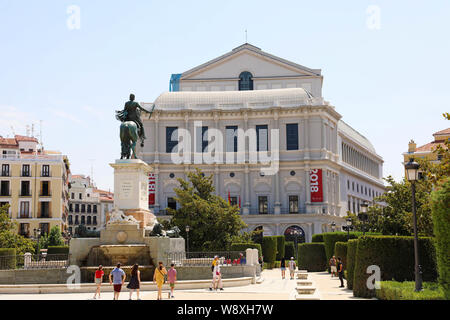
<point x="122" y="234"/>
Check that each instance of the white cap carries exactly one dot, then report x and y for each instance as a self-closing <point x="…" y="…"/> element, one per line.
<point x="292" y="258"/>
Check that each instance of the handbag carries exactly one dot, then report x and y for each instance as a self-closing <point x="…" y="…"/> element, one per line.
<point x="164" y="276"/>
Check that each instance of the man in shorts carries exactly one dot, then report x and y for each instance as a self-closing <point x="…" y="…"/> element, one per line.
<point x="117" y="278"/>
<point x="292" y="267"/>
<point x="172" y="277"/>
<point x="333" y="266"/>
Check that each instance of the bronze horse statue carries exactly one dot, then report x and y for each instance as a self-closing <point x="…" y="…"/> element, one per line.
<point x="128" y="138"/>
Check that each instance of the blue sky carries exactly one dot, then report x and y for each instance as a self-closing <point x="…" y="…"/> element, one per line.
<point x="391" y="84"/>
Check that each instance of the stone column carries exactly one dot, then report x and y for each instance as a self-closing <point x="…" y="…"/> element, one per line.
<point x="306" y="137"/>
<point x="247" y="190"/>
<point x="308" y="190"/>
<point x="157" y="182"/>
<point x="156" y="137"/>
<point x="277" y="204"/>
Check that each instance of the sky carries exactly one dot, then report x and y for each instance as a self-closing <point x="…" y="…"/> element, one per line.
<point x="70" y="64"/>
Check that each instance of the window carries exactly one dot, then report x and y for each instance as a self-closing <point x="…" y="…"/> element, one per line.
<point x="70" y="219"/>
<point x="171" y="139"/>
<point x="353" y="186"/>
<point x="25" y="188"/>
<point x="73" y="196"/>
<point x="45" y="188"/>
<point x="263" y="204"/>
<point x="4" y="189"/>
<point x="245" y="81"/>
<point x="365" y="188"/>
<point x="95" y="208"/>
<point x="357" y="187"/>
<point x="5" y="170"/>
<point x="292" y="136"/>
<point x="94" y="222"/>
<point x="83" y="208"/>
<point x="293" y="204"/>
<point x="83" y="219"/>
<point x="77" y="207"/>
<point x="25" y="230"/>
<point x="76" y="220"/>
<point x="262" y="138"/>
<point x="46" y="170"/>
<point x="354" y="208"/>
<point x="45" y="227"/>
<point x="26" y="170"/>
<point x="45" y="210"/>
<point x="348" y="184"/>
<point x="202" y="139"/>
<point x="349" y="208"/>
<point x="24" y="210"/>
<point x="234" y="201"/>
<point x="89" y="220"/>
<point x="232" y="138"/>
<point x="88" y="208"/>
<point x="80" y="196"/>
<point x="70" y="207"/>
<point x="171" y="203"/>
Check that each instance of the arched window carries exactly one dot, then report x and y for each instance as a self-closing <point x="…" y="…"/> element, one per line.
<point x="294" y="231"/>
<point x="245" y="81"/>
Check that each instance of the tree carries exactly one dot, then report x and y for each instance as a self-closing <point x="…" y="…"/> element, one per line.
<point x="8" y="235"/>
<point x="214" y="223"/>
<point x="55" y="238"/>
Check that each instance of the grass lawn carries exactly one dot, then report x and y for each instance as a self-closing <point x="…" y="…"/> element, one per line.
<point x="393" y="290"/>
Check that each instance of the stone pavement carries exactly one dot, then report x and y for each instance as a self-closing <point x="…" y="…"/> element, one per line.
<point x="272" y="288"/>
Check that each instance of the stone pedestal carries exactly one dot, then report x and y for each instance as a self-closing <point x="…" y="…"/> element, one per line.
<point x="122" y="234"/>
<point x="131" y="190"/>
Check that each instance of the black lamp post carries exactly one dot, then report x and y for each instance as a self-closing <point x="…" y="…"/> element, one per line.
<point x="412" y="173"/>
<point x="348" y="227"/>
<point x="187" y="239"/>
<point x="333" y="226"/>
<point x="37" y="236"/>
<point x="363" y="217"/>
<point x="294" y="233"/>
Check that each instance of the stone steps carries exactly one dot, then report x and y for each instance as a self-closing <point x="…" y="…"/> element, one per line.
<point x="306" y="289"/>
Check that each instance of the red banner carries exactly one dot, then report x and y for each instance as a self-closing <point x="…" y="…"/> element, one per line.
<point x="315" y="184"/>
<point x="151" y="189"/>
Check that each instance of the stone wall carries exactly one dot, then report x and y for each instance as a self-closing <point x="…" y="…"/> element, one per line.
<point x="37" y="276"/>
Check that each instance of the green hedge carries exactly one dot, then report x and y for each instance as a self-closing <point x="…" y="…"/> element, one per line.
<point x="311" y="257"/>
<point x="393" y="290"/>
<point x="269" y="248"/>
<point x="8" y="258"/>
<point x="395" y="258"/>
<point x="317" y="237"/>
<point x="440" y="204"/>
<point x="280" y="247"/>
<point x="330" y="239"/>
<point x="289" y="249"/>
<point x="58" y="250"/>
<point x="244" y="246"/>
<point x="351" y="257"/>
<point x="340" y="250"/>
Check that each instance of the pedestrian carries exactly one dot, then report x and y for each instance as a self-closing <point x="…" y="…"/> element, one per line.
<point x="292" y="266"/>
<point x="333" y="266"/>
<point x="283" y="268"/>
<point x="217" y="278"/>
<point x="98" y="279"/>
<point x="172" y="277"/>
<point x="117" y="278"/>
<point x="158" y="277"/>
<point x="135" y="281"/>
<point x="261" y="262"/>
<point x="340" y="270"/>
<point x="213" y="265"/>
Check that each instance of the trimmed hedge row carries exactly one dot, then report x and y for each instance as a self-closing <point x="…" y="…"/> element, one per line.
<point x="244" y="246"/>
<point x="317" y="237"/>
<point x="8" y="258"/>
<point x="395" y="257"/>
<point x="311" y="257"/>
<point x="289" y="249"/>
<point x="280" y="247"/>
<point x="440" y="204"/>
<point x="340" y="251"/>
<point x="58" y="250"/>
<point x="269" y="248"/>
<point x="351" y="258"/>
<point x="330" y="239"/>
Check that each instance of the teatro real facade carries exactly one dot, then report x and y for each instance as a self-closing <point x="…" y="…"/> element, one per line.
<point x="310" y="168"/>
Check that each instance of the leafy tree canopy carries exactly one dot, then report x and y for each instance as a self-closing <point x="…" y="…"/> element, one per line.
<point x="8" y="234"/>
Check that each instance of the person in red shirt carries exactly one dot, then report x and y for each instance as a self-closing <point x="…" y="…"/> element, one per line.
<point x="98" y="280"/>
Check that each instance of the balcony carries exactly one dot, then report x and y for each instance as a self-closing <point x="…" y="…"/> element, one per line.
<point x="25" y="174"/>
<point x="25" y="193"/>
<point x="45" y="194"/>
<point x="24" y="215"/>
<point x="5" y="194"/>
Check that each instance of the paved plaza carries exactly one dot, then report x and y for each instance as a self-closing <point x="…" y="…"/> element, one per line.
<point x="272" y="288"/>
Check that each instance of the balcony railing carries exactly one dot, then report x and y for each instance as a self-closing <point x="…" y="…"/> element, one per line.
<point x="5" y="194"/>
<point x="24" y="215"/>
<point x="45" y="194"/>
<point x="25" y="193"/>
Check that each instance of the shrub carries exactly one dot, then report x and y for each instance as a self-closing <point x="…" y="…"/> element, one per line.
<point x="8" y="258"/>
<point x="58" y="250"/>
<point x="351" y="256"/>
<point x="330" y="239"/>
<point x="269" y="248"/>
<point x="289" y="249"/>
<point x="244" y="246"/>
<point x="311" y="257"/>
<point x="340" y="251"/>
<point x="280" y="247"/>
<point x="395" y="258"/>
<point x="393" y="290"/>
<point x="317" y="237"/>
<point x="440" y="204"/>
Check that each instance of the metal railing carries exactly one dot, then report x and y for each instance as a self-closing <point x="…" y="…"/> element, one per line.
<point x="204" y="259"/>
<point x="29" y="261"/>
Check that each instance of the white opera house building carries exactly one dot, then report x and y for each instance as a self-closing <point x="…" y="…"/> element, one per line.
<point x="275" y="147"/>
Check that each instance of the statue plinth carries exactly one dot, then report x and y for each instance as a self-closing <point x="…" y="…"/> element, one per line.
<point x="131" y="190"/>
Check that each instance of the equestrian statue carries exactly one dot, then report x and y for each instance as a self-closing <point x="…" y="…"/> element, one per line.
<point x="131" y="128"/>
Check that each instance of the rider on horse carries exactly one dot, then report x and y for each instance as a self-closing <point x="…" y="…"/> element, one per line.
<point x="132" y="112"/>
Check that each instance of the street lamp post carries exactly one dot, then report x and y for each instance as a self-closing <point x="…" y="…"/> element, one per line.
<point x="348" y="227"/>
<point x="363" y="217"/>
<point x="412" y="172"/>
<point x="37" y="235"/>
<point x="187" y="239"/>
<point x="294" y="233"/>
